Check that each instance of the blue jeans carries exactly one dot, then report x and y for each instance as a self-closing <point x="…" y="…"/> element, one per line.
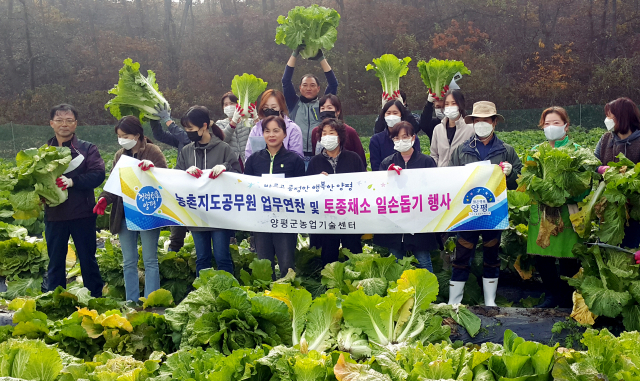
<point x="423" y="257"/>
<point x="129" y="245"/>
<point x="221" y="239"/>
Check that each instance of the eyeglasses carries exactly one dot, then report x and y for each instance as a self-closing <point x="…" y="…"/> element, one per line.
<point x="61" y="121"/>
<point x="405" y="140"/>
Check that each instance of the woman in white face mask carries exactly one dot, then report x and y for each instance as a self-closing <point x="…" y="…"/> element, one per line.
<point x="483" y="146"/>
<point x="404" y="158"/>
<point x="555" y="124"/>
<point x="452" y="131"/>
<point x="623" y="137"/>
<point x="134" y="143"/>
<point x="333" y="159"/>
<point x="237" y="124"/>
<point x="381" y="144"/>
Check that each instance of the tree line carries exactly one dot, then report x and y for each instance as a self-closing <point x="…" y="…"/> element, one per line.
<point x="521" y="53"/>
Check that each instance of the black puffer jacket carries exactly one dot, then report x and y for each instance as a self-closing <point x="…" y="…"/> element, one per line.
<point x="412" y="242"/>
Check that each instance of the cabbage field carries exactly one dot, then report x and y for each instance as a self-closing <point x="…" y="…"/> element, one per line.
<point x="366" y="317"/>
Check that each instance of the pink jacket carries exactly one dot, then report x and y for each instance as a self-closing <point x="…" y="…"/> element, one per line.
<point x="292" y="142"/>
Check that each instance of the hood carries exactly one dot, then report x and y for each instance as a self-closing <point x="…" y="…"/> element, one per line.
<point x="209" y="146"/>
<point x="635" y="135"/>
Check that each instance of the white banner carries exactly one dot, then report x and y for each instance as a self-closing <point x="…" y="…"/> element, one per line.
<point x="417" y="200"/>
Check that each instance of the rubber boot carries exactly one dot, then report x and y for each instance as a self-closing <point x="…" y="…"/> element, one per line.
<point x="456" y="290"/>
<point x="490" y="287"/>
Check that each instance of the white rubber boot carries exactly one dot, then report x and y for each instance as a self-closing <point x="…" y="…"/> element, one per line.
<point x="456" y="290"/>
<point x="490" y="288"/>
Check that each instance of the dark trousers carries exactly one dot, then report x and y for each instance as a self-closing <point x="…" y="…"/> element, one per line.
<point x="282" y="245"/>
<point x="330" y="245"/>
<point x="550" y="274"/>
<point x="466" y="249"/>
<point x="176" y="240"/>
<point x="83" y="232"/>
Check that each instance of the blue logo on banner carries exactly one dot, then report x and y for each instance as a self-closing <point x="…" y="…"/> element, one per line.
<point x="148" y="200"/>
<point x="479" y="198"/>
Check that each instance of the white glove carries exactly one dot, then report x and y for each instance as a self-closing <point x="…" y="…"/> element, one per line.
<point x="64" y="182"/>
<point x="194" y="171"/>
<point x="430" y="98"/>
<point x="146" y="165"/>
<point x="237" y="115"/>
<point x="506" y="168"/>
<point x="217" y="170"/>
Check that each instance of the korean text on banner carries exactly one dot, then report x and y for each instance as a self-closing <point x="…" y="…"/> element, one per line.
<point x="416" y="201"/>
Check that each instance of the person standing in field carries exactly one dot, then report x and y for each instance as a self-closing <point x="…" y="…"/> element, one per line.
<point x="74" y="217"/>
<point x="483" y="145"/>
<point x="134" y="144"/>
<point x="622" y="137"/>
<point x="452" y="131"/>
<point x="555" y="123"/>
<point x="304" y="109"/>
<point x="381" y="145"/>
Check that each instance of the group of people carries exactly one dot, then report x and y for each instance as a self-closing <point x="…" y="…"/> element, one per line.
<point x="298" y="135"/>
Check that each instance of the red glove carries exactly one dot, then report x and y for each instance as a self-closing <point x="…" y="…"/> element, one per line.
<point x="637" y="257"/>
<point x="146" y="165"/>
<point x="602" y="169"/>
<point x="194" y="171"/>
<point x="101" y="206"/>
<point x="394" y="167"/>
<point x="217" y="171"/>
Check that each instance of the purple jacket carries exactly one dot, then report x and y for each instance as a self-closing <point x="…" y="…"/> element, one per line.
<point x="292" y="142"/>
<point x="87" y="176"/>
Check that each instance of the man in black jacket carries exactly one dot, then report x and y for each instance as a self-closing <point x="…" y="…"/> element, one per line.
<point x="74" y="217"/>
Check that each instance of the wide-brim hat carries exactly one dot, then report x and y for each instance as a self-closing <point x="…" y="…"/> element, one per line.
<point x="483" y="109"/>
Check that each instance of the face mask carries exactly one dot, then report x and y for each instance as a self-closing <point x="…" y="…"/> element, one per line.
<point x="451" y="112"/>
<point x="193" y="136"/>
<point x="483" y="129"/>
<point x="392" y="120"/>
<point x="229" y="111"/>
<point x="402" y="145"/>
<point x="127" y="143"/>
<point x="554" y="132"/>
<point x="610" y="124"/>
<point x="270" y="112"/>
<point x="330" y="142"/>
<point x="327" y="114"/>
<point x="439" y="114"/>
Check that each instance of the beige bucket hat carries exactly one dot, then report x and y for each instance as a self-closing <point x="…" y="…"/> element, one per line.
<point x="483" y="109"/>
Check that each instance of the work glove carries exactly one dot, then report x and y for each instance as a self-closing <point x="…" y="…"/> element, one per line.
<point x="237" y="115"/>
<point x="100" y="207"/>
<point x="430" y="98"/>
<point x="217" y="171"/>
<point x="506" y="168"/>
<point x="602" y="169"/>
<point x="253" y="112"/>
<point x="194" y="171"/>
<point x="146" y="165"/>
<point x="317" y="57"/>
<point x="394" y="167"/>
<point x="64" y="182"/>
<point x="164" y="113"/>
<point x="297" y="51"/>
<point x="636" y="256"/>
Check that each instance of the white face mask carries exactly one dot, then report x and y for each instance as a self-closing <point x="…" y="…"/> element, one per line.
<point x="127" y="143"/>
<point x="483" y="129"/>
<point x="229" y="111"/>
<point x="439" y="114"/>
<point x="392" y="120"/>
<point x="554" y="132"/>
<point x="610" y="123"/>
<point x="330" y="142"/>
<point x="451" y="112"/>
<point x="403" y="146"/>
